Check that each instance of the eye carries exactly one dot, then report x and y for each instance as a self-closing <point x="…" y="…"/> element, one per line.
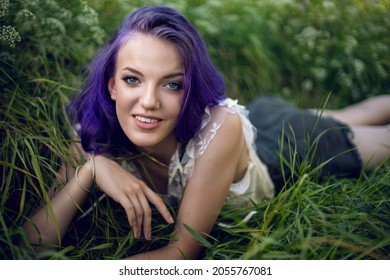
<point x="131" y="80"/>
<point x="174" y="86"/>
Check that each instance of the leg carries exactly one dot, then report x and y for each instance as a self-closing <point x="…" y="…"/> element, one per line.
<point x="373" y="111"/>
<point x="373" y="143"/>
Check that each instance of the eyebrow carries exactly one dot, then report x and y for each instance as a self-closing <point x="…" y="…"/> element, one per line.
<point x="169" y="76"/>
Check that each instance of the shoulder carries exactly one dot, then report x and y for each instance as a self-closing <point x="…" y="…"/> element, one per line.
<point x="229" y="121"/>
<point x="218" y="122"/>
<point x="231" y="116"/>
<point x="224" y="133"/>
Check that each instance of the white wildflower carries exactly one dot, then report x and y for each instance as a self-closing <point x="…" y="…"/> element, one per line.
<point x="359" y="66"/>
<point x="4" y="6"/>
<point x="9" y="35"/>
<point x="307" y="85"/>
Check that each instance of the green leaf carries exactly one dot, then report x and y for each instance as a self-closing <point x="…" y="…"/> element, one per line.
<point x="198" y="237"/>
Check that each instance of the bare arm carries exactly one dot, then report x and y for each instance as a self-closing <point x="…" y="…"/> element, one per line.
<point x="49" y="223"/>
<point x="205" y="193"/>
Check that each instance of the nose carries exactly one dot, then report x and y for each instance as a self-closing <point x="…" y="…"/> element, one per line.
<point x="149" y="100"/>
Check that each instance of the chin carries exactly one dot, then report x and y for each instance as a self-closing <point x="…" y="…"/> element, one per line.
<point x="144" y="143"/>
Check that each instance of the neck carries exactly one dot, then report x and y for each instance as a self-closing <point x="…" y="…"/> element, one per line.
<point x="161" y="155"/>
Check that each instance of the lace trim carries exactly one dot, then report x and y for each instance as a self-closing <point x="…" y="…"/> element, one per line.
<point x="181" y="169"/>
<point x="256" y="183"/>
<point x="204" y="142"/>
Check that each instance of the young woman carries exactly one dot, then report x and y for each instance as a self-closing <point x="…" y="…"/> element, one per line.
<point x="152" y="91"/>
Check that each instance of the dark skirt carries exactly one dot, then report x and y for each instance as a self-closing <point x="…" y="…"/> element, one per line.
<point x="293" y="141"/>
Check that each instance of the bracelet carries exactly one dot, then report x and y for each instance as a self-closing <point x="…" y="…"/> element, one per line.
<point x="78" y="180"/>
<point x="91" y="160"/>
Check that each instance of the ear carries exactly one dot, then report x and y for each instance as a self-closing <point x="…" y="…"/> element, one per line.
<point x="112" y="88"/>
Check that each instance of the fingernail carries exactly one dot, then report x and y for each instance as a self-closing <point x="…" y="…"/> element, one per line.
<point x="148" y="236"/>
<point x="171" y="220"/>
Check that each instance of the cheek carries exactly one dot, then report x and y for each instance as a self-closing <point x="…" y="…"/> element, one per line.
<point x="120" y="114"/>
<point x="174" y="105"/>
<point x="176" y="109"/>
<point x="124" y="101"/>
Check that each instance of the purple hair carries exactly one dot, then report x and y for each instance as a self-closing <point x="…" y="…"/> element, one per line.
<point x="94" y="109"/>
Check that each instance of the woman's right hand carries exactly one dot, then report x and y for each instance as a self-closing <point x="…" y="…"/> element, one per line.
<point x="133" y="194"/>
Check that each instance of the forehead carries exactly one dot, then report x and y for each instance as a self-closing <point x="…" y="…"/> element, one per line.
<point x="146" y="51"/>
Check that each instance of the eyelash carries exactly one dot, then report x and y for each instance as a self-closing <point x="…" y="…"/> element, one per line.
<point x="127" y="79"/>
<point x="178" y="86"/>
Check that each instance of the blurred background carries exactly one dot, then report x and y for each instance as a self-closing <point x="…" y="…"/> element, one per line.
<point x="302" y="50"/>
<point x="296" y="48"/>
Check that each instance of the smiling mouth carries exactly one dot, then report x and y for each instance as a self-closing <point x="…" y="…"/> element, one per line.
<point x="146" y="120"/>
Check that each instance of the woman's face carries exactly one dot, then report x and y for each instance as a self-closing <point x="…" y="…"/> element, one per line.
<point x="148" y="90"/>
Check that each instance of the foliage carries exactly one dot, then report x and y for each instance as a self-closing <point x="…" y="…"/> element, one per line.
<point x="295" y="48"/>
<point x="37" y="77"/>
<point x="337" y="219"/>
<point x="285" y="47"/>
<point x="57" y="40"/>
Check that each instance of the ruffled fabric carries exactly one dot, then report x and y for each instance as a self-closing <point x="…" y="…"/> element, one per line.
<point x="256" y="184"/>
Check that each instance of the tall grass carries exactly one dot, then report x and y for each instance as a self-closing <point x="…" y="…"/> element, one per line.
<point x="332" y="220"/>
<point x="38" y="75"/>
<point x="252" y="44"/>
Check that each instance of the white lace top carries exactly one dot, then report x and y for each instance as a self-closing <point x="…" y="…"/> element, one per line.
<point x="256" y="185"/>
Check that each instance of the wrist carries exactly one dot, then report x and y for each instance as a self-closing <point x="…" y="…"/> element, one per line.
<point x="101" y="165"/>
<point x="91" y="161"/>
<point x="84" y="176"/>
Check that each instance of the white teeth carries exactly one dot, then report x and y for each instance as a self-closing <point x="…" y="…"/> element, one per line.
<point x="146" y="120"/>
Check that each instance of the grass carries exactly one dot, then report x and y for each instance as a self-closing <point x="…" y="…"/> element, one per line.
<point x="332" y="219"/>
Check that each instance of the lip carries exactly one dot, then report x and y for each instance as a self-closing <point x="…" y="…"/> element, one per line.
<point x="146" y="122"/>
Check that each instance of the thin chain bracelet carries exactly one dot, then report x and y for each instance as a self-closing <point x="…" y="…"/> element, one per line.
<point x="78" y="180"/>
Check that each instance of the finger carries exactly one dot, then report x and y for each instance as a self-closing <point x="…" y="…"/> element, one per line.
<point x="147" y="217"/>
<point x="157" y="201"/>
<point x="139" y="214"/>
<point x="130" y="211"/>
